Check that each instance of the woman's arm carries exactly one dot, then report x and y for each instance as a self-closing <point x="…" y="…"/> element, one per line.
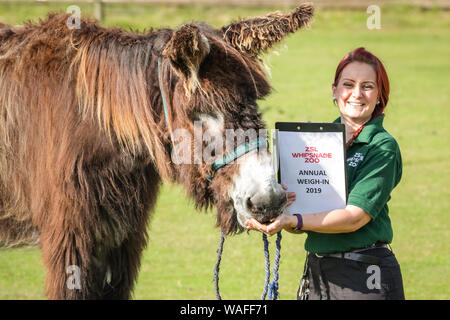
<point x="345" y="220"/>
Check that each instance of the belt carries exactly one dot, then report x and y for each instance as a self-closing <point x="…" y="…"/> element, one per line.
<point x="356" y="256"/>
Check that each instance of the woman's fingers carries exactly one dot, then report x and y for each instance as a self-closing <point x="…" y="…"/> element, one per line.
<point x="253" y="224"/>
<point x="291" y="197"/>
<point x="274" y="227"/>
<point x="270" y="229"/>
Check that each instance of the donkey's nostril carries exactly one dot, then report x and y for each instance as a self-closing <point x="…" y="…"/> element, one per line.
<point x="249" y="203"/>
<point x="255" y="205"/>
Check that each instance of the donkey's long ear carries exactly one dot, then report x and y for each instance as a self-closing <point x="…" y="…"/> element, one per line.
<point x="255" y="35"/>
<point x="186" y="50"/>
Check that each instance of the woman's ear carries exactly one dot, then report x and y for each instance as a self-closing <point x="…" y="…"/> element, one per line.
<point x="333" y="90"/>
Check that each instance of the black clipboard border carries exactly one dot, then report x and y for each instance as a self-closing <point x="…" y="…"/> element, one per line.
<point x="313" y="127"/>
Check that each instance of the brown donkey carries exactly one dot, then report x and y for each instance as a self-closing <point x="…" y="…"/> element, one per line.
<point x="85" y="140"/>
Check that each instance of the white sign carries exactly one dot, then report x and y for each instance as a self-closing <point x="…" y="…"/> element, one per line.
<point x="312" y="164"/>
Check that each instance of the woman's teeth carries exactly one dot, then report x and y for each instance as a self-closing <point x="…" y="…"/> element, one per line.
<point x="356" y="104"/>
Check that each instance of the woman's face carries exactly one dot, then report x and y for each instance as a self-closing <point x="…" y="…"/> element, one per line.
<point x="356" y="92"/>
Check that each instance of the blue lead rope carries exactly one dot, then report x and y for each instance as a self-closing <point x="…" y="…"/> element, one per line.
<point x="217" y="267"/>
<point x="272" y="287"/>
<point x="267" y="267"/>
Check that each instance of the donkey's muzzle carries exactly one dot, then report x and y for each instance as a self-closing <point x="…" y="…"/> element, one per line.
<point x="266" y="207"/>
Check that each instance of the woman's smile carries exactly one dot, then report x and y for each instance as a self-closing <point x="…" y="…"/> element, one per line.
<point x="356" y="104"/>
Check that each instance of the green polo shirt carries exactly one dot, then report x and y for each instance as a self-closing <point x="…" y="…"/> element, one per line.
<point x="374" y="168"/>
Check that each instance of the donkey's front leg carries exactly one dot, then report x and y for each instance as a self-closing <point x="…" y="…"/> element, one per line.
<point x="67" y="256"/>
<point x="79" y="267"/>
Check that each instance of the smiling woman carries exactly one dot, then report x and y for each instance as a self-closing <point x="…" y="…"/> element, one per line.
<point x="345" y="245"/>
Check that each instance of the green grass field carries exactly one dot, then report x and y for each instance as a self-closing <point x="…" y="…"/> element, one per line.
<point x="179" y="260"/>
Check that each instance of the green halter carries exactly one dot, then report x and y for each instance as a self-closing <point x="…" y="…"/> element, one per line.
<point x="236" y="153"/>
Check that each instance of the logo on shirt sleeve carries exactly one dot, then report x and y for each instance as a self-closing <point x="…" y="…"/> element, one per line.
<point x="357" y="158"/>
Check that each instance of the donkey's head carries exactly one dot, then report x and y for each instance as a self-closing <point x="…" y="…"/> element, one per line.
<point x="211" y="81"/>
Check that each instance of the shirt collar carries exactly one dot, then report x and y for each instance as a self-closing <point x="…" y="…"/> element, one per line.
<point x="370" y="129"/>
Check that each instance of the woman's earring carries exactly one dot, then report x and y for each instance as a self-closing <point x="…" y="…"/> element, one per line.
<point x="334" y="101"/>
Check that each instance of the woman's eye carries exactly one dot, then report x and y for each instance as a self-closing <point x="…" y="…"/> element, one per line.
<point x="349" y="85"/>
<point x="368" y="87"/>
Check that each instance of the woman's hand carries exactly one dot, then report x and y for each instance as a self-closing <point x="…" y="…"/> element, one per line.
<point x="283" y="221"/>
<point x="289" y="195"/>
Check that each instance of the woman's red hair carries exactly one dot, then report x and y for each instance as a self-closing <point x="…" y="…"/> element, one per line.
<point x="362" y="55"/>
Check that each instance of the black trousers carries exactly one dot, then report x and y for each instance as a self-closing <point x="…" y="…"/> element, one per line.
<point x="330" y="278"/>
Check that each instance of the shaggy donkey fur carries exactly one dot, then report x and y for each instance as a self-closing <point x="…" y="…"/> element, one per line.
<point x="84" y="144"/>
